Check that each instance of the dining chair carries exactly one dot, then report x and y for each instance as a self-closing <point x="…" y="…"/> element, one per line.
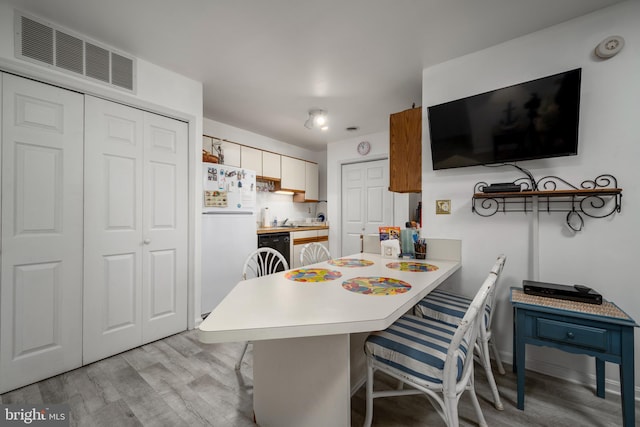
<point x="432" y="357"/>
<point x="314" y="252"/>
<point x="449" y="307"/>
<point x="370" y="243"/>
<point x="261" y="262"/>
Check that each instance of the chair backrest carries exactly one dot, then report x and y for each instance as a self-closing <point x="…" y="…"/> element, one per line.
<point x="464" y="339"/>
<point x="262" y="262"/>
<point x="496" y="270"/>
<point x="370" y="243"/>
<point x="314" y="252"/>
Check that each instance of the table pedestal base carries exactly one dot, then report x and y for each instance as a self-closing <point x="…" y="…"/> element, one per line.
<point x="302" y="382"/>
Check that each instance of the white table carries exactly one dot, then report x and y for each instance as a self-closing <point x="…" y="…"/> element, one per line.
<point x="307" y="336"/>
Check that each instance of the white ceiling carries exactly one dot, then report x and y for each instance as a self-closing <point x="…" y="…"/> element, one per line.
<point x="265" y="63"/>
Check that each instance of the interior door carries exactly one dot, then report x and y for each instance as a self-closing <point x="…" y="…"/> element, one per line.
<point x="164" y="276"/>
<point x="41" y="244"/>
<point x="366" y="202"/>
<point x="113" y="228"/>
<point x="136" y="237"/>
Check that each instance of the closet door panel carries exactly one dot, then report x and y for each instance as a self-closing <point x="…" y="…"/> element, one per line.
<point x="114" y="149"/>
<point x="165" y="227"/>
<point x="41" y="231"/>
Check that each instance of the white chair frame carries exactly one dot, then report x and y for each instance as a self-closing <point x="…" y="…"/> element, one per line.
<point x="314" y="252"/>
<point x="443" y="396"/>
<point x="260" y="262"/>
<point x="484" y="341"/>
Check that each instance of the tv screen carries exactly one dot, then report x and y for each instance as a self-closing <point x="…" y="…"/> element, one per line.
<point x="531" y="120"/>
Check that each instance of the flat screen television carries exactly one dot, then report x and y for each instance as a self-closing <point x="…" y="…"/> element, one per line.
<point x="531" y="120"/>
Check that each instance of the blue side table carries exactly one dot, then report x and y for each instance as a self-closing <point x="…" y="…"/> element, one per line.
<point x="602" y="331"/>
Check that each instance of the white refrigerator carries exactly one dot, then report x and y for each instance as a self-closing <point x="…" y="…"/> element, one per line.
<point x="228" y="229"/>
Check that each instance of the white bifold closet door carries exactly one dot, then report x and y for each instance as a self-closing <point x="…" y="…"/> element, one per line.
<point x="135" y="269"/>
<point x="42" y="223"/>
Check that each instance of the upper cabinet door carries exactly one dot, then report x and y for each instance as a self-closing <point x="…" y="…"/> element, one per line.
<point x="311" y="182"/>
<point x="293" y="174"/>
<point x="231" y="153"/>
<point x="271" y="165"/>
<point x="251" y="158"/>
<point x="41" y="199"/>
<point x="405" y="151"/>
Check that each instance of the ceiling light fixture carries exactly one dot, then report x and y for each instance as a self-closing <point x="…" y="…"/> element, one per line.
<point x="317" y="119"/>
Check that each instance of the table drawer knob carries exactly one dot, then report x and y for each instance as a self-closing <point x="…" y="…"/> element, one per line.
<point x="570" y="335"/>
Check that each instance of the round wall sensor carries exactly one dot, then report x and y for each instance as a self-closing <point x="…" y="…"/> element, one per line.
<point x="609" y="47"/>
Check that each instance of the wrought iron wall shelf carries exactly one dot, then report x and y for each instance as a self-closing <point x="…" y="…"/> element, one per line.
<point x="597" y="198"/>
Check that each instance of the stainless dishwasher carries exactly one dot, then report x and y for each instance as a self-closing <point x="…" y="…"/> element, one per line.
<point x="279" y="241"/>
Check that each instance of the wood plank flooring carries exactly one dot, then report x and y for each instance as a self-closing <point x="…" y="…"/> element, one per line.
<point x="179" y="381"/>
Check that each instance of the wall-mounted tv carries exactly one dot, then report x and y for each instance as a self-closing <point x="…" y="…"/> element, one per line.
<point x="531" y="120"/>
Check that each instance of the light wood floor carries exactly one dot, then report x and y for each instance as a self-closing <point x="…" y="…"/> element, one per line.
<point x="179" y="381"/>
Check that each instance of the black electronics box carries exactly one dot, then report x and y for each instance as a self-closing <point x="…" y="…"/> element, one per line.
<point x="577" y="293"/>
<point x="503" y="187"/>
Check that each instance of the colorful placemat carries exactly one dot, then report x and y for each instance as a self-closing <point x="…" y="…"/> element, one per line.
<point x="376" y="286"/>
<point x="312" y="275"/>
<point x="411" y="266"/>
<point x="350" y="262"/>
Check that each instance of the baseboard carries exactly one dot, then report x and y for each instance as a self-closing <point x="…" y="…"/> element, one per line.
<point x="568" y="374"/>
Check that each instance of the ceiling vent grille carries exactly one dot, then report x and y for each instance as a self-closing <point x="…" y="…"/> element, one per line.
<point x="45" y="44"/>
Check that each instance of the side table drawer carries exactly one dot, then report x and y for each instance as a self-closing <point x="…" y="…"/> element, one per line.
<point x="572" y="334"/>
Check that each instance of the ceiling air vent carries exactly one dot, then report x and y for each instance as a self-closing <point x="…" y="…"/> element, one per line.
<point x="121" y="71"/>
<point x="45" y="44"/>
<point x="37" y="41"/>
<point x="69" y="52"/>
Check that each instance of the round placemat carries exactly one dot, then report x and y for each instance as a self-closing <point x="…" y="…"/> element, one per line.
<point x="376" y="286"/>
<point x="411" y="266"/>
<point x="350" y="262"/>
<point x="312" y="275"/>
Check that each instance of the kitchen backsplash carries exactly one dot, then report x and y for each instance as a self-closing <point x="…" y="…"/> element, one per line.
<point x="282" y="207"/>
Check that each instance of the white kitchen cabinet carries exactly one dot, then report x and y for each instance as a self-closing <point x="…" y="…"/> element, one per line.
<point x="293" y="174"/>
<point x="41" y="220"/>
<point x="135" y="234"/>
<point x="271" y="165"/>
<point x="231" y="152"/>
<point x="300" y="238"/>
<point x="251" y="158"/>
<point x="310" y="184"/>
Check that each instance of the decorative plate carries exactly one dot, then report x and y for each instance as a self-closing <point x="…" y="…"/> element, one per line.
<point x="376" y="286"/>
<point x="350" y="262"/>
<point x="312" y="275"/>
<point x="411" y="266"/>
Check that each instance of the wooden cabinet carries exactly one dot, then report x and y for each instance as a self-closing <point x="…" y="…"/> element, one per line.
<point x="300" y="238"/>
<point x="310" y="184"/>
<point x="293" y="174"/>
<point x="251" y="158"/>
<point x="271" y="165"/>
<point x="231" y="152"/>
<point x="405" y="151"/>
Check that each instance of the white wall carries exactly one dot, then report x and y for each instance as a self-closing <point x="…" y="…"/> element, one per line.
<point x="344" y="152"/>
<point x="605" y="254"/>
<point x="280" y="206"/>
<point x="158" y="90"/>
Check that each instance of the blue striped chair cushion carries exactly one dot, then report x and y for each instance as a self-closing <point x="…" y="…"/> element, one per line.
<point x="415" y="346"/>
<point x="446" y="307"/>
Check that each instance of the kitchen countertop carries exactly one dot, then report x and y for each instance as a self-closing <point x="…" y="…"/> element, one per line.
<point x="265" y="230"/>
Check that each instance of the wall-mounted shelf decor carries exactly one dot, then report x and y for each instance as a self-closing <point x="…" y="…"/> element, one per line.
<point x="598" y="198"/>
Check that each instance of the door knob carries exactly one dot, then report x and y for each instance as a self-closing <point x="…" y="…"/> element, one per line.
<point x="146" y="241"/>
